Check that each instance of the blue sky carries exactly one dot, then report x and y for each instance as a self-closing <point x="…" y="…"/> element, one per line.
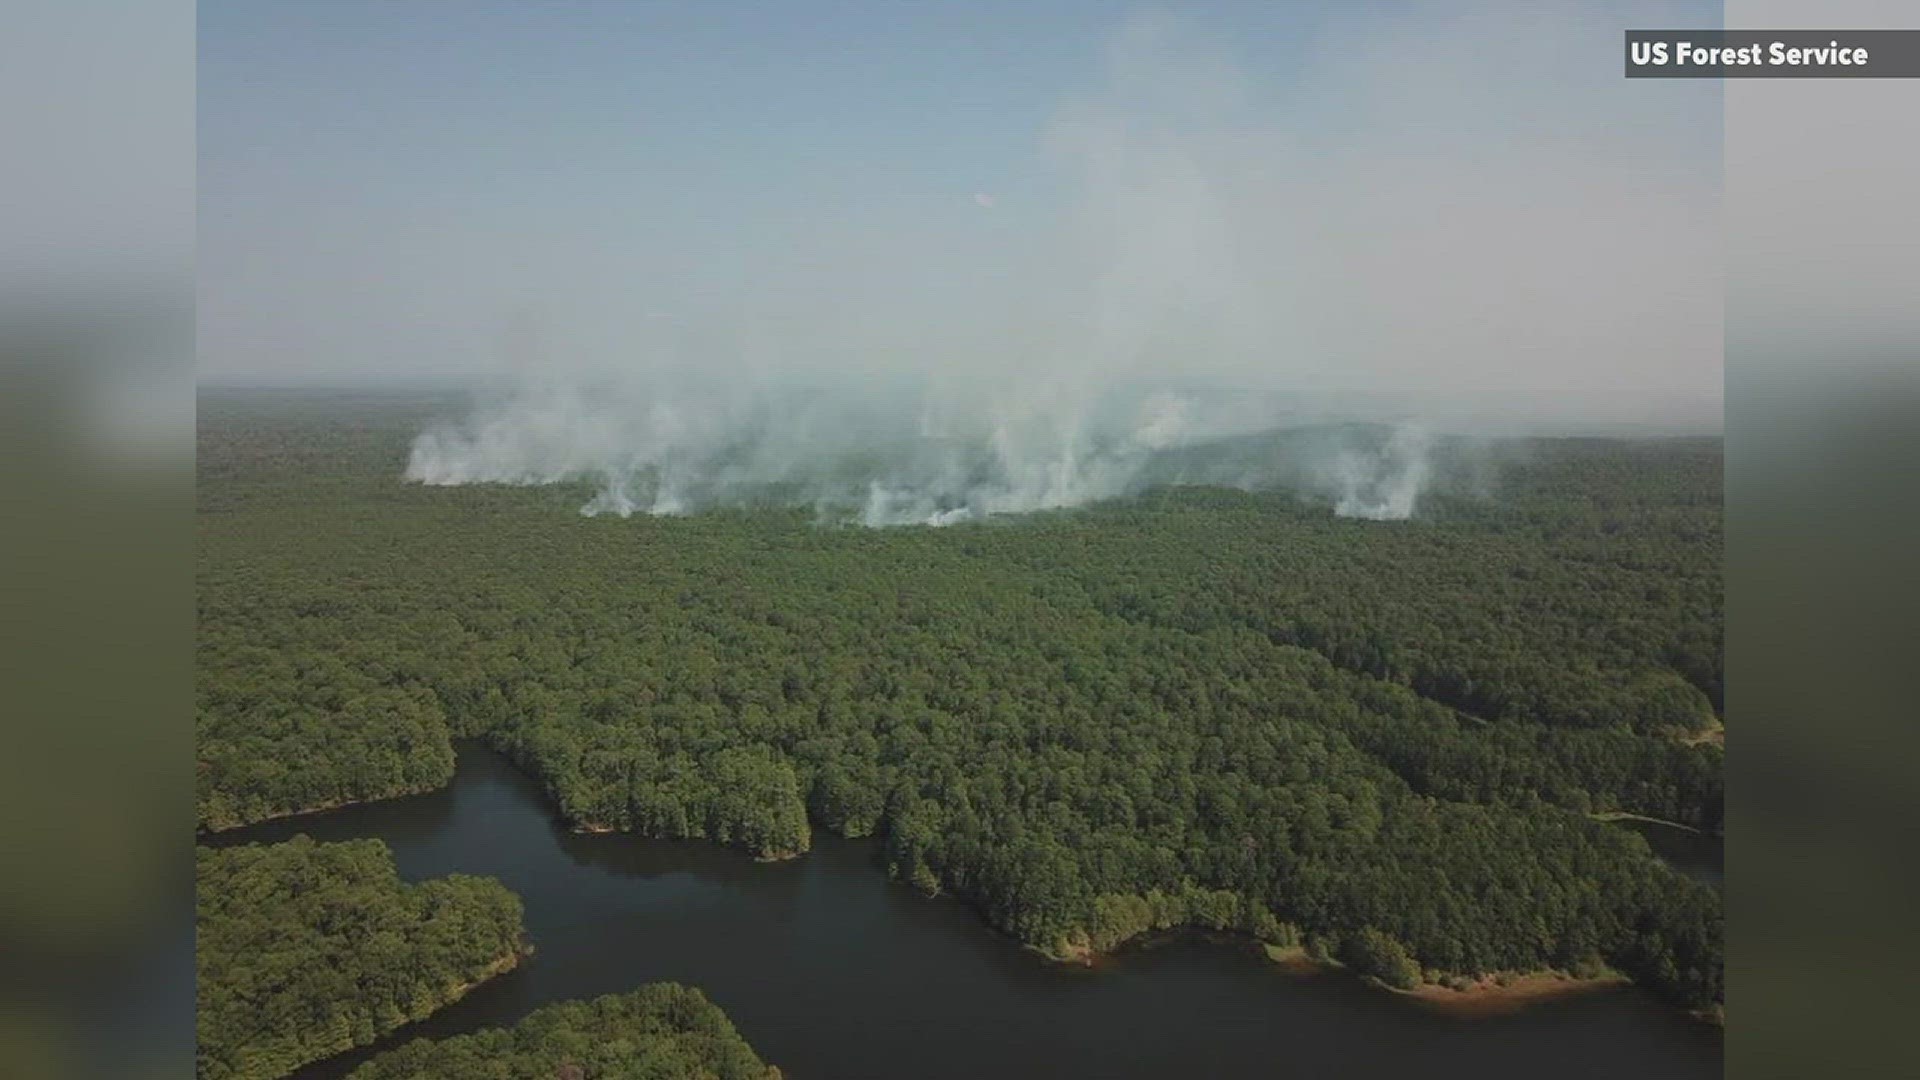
<point x="931" y="96"/>
<point x="772" y="106"/>
<point x="383" y="184"/>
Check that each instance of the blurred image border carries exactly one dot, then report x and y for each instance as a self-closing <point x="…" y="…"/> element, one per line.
<point x="1823" y="532"/>
<point x="96" y="436"/>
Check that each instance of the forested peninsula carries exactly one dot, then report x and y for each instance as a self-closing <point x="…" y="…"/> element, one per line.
<point x="662" y="1031"/>
<point x="307" y="949"/>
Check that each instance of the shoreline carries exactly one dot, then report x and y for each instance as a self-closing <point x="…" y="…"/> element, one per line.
<point x="594" y="828"/>
<point x="500" y="966"/>
<point x="203" y="831"/>
<point x="452" y="995"/>
<point x="1716" y="735"/>
<point x="1488" y="996"/>
<point x="1293" y="959"/>
<point x="1498" y="994"/>
<point x="1627" y="815"/>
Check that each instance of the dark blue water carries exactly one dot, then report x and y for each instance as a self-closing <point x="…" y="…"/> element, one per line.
<point x="832" y="972"/>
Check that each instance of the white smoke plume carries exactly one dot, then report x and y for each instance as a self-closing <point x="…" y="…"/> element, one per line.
<point x="1383" y="484"/>
<point x="1448" y="254"/>
<point x="850" y="452"/>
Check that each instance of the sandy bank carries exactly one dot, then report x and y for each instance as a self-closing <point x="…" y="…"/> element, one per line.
<point x="1489" y="995"/>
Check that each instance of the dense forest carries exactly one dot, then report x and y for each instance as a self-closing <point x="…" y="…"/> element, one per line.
<point x="662" y="1031"/>
<point x="1197" y="706"/>
<point x="307" y="949"/>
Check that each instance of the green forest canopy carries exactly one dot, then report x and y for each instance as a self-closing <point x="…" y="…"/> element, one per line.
<point x="307" y="949"/>
<point x="662" y="1031"/>
<point x="1196" y="706"/>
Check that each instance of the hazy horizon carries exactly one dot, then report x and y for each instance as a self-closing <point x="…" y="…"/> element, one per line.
<point x="1335" y="204"/>
<point x="1073" y="237"/>
<point x="460" y="390"/>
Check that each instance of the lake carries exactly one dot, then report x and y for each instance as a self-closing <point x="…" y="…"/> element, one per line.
<point x="831" y="971"/>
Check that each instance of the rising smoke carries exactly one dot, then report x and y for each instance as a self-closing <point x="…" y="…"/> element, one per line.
<point x="1213" y="271"/>
<point x="900" y="457"/>
<point x="1384" y="484"/>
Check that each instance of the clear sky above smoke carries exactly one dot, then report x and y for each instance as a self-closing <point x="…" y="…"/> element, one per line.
<point x="1385" y="209"/>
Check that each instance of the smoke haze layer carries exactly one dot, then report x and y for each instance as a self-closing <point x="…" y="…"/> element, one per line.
<point x="1210" y="249"/>
<point x="892" y="456"/>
